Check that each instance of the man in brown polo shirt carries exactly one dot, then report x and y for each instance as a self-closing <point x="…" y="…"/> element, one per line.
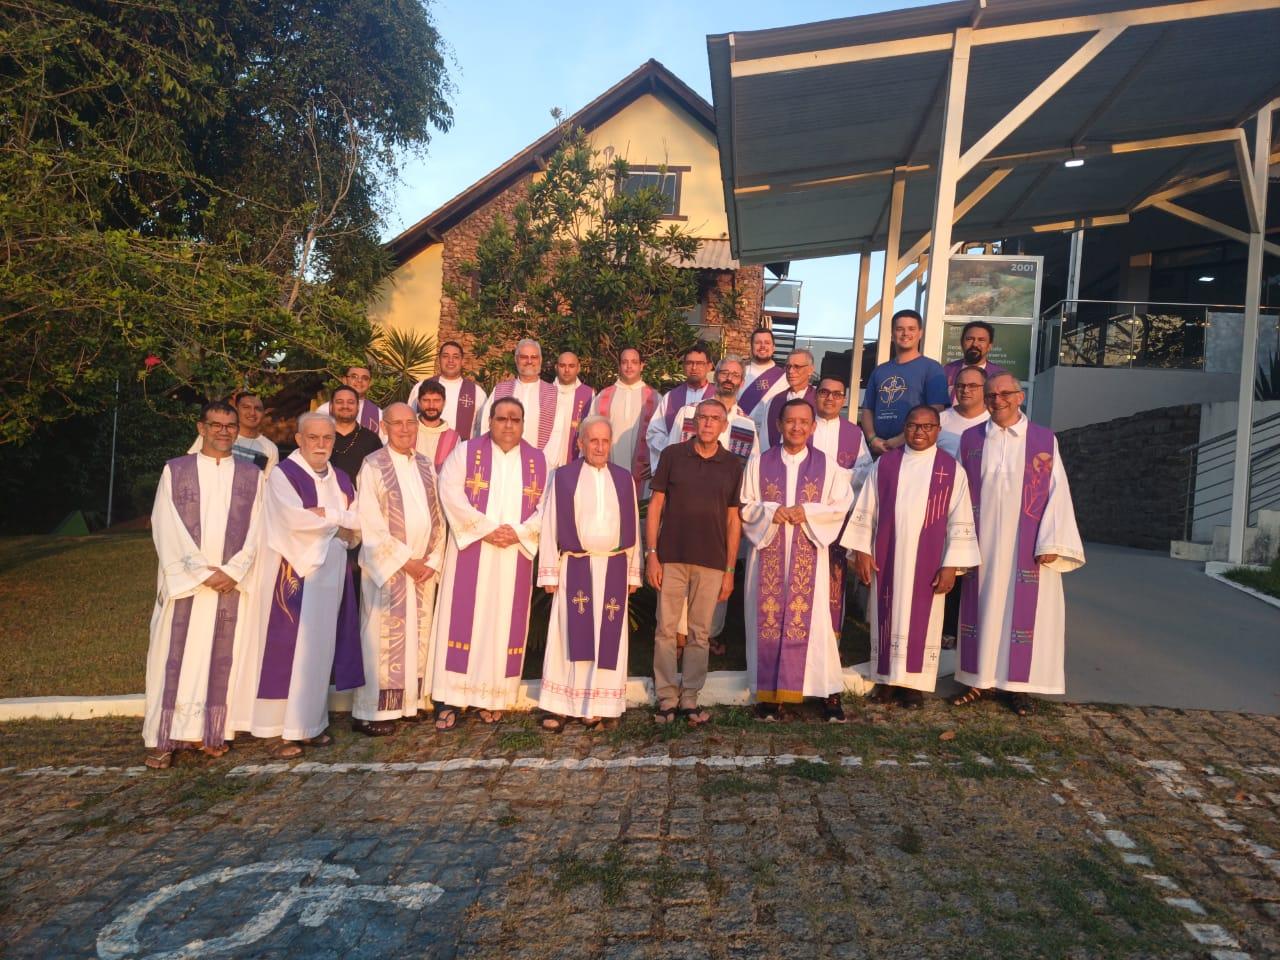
<point x="693" y="519"/>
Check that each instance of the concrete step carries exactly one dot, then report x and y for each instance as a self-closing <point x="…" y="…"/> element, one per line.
<point x="1190" y="550"/>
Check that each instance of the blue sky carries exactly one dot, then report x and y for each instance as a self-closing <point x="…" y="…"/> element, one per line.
<point x="515" y="61"/>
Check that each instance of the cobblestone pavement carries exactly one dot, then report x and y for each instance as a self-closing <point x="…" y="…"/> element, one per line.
<point x="1082" y="832"/>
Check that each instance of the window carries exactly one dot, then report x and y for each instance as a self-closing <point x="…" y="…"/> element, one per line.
<point x="665" y="179"/>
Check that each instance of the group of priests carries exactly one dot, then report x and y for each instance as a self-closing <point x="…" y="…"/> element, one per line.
<point x="395" y="552"/>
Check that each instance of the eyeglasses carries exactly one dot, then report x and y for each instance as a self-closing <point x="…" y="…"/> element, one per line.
<point x="1003" y="395"/>
<point x="798" y="366"/>
<point x="920" y="428"/>
<point x="710" y="418"/>
<point x="221" y="427"/>
<point x="968" y="386"/>
<point x="831" y="393"/>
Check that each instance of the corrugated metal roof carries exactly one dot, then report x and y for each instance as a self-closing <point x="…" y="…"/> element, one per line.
<point x="711" y="255"/>
<point x="829" y="124"/>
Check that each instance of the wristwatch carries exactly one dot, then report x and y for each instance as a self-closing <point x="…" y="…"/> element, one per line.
<point x="650" y="551"/>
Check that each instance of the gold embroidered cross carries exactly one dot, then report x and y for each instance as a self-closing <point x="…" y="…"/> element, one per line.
<point x="612" y="608"/>
<point x="532" y="492"/>
<point x="771" y="607"/>
<point x="476" y="483"/>
<point x="581" y="600"/>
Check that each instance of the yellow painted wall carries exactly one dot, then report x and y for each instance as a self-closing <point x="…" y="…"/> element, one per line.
<point x="410" y="298"/>
<point x="653" y="130"/>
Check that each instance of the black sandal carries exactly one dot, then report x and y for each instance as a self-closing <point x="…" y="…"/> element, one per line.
<point x="694" y="716"/>
<point x="446" y="720"/>
<point x="1020" y="704"/>
<point x="664" y="715"/>
<point x="972" y="695"/>
<point x="553" y="723"/>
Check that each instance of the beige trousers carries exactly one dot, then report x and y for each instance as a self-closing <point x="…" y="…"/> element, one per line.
<point x="684" y="585"/>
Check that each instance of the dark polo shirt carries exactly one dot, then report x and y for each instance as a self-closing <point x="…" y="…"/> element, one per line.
<point x="699" y="491"/>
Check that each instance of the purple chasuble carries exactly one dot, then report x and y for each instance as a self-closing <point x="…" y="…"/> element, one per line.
<point x="286" y="607"/>
<point x="775" y="411"/>
<point x="848" y="444"/>
<point x="580" y="403"/>
<point x="465" y="415"/>
<point x="392" y="639"/>
<point x="761" y="385"/>
<point x="784" y="606"/>
<point x="184" y="478"/>
<point x="1037" y="474"/>
<point x="533" y="470"/>
<point x="691" y="395"/>
<point x="582" y="642"/>
<point x="548" y="397"/>
<point x="370" y="415"/>
<point x="929" y="551"/>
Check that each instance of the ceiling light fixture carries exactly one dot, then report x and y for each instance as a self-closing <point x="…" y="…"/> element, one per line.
<point x="1073" y="161"/>
<point x="1205" y="278"/>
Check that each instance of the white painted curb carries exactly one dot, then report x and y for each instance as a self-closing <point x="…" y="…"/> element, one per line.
<point x="1215" y="569"/>
<point x="722" y="687"/>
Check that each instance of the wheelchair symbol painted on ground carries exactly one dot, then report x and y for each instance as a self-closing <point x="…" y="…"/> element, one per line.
<point x="320" y="891"/>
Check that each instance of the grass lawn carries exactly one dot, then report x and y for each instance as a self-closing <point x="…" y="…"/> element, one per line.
<point x="74" y="613"/>
<point x="1264" y="581"/>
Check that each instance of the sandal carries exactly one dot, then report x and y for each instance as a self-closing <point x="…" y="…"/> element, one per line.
<point x="287" y="750"/>
<point x="768" y="712"/>
<point x="160" y="760"/>
<point x="446" y="719"/>
<point x="972" y="695"/>
<point x="1021" y="704"/>
<point x="911" y="700"/>
<point x="833" y="709"/>
<point x="553" y="723"/>
<point x="591" y="723"/>
<point x="490" y="717"/>
<point x="717" y="647"/>
<point x="374" y="728"/>
<point x="694" y="716"/>
<point x="215" y="752"/>
<point x="664" y="715"/>
<point x="319" y="740"/>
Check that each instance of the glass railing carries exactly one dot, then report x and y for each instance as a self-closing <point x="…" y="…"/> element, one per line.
<point x="1109" y="333"/>
<point x="782" y="296"/>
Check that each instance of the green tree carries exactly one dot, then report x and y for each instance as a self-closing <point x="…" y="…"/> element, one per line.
<point x="583" y="265"/>
<point x="192" y="191"/>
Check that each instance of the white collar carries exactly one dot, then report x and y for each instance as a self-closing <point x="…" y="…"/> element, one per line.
<point x="1017" y="429"/>
<point x="794" y="457"/>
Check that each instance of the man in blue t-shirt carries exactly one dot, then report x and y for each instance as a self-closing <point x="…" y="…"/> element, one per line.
<point x="906" y="381"/>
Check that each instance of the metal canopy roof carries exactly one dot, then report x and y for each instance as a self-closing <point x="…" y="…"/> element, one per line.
<point x="815" y="121"/>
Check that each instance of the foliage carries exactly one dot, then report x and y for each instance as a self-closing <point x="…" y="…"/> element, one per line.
<point x="191" y="191"/>
<point x="1264" y="581"/>
<point x="583" y="265"/>
<point x="1267" y="384"/>
<point x="401" y="358"/>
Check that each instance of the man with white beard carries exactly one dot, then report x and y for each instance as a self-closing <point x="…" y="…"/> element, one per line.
<point x="401" y="550"/>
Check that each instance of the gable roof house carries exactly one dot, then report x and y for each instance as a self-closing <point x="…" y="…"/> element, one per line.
<point x="652" y="119"/>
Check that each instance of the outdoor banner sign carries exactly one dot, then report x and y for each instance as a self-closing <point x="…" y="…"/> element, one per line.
<point x="1004" y="291"/>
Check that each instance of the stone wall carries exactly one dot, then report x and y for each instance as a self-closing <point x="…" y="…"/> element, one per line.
<point x="1129" y="478"/>
<point x="460" y="243"/>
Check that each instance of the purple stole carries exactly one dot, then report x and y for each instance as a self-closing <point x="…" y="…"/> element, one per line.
<point x="548" y="397"/>
<point x="929" y="551"/>
<point x="392" y="639"/>
<point x="761" y="385"/>
<point x="465" y="415"/>
<point x="580" y="403"/>
<point x="185" y="485"/>
<point x="784" y="607"/>
<point x="533" y="469"/>
<point x="775" y="411"/>
<point x="370" y="415"/>
<point x="673" y="408"/>
<point x="286" y="607"/>
<point x="448" y="440"/>
<point x="640" y="468"/>
<point x="1037" y="473"/>
<point x="582" y="641"/>
<point x="848" y="445"/>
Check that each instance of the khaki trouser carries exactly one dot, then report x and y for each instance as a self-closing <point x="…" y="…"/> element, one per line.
<point x="684" y="584"/>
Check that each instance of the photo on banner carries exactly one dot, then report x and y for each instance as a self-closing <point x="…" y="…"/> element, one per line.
<point x="1005" y="292"/>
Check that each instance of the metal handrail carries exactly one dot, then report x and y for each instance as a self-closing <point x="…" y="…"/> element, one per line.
<point x="1230" y="434"/>
<point x="1214" y="453"/>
